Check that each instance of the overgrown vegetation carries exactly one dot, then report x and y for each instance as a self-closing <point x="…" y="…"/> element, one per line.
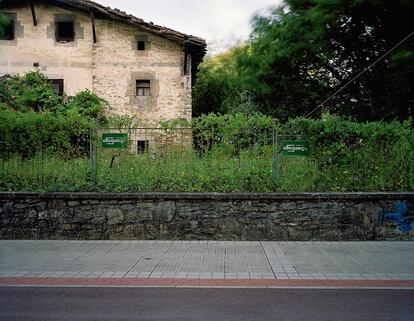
<point x="305" y="50"/>
<point x="34" y="119"/>
<point x="233" y="153"/>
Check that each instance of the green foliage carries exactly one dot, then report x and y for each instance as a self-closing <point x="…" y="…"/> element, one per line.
<point x="231" y="153"/>
<point x="34" y="119"/>
<point x="217" y="88"/>
<point x="28" y="134"/>
<point x="238" y="130"/>
<point x="86" y="104"/>
<point x="3" y="22"/>
<point x="351" y="156"/>
<point x="33" y="92"/>
<point x="119" y="121"/>
<point x="305" y="50"/>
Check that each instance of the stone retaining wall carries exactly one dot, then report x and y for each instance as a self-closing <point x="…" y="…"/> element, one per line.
<point x="94" y="216"/>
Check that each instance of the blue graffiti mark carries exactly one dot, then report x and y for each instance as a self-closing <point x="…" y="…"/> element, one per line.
<point x="400" y="217"/>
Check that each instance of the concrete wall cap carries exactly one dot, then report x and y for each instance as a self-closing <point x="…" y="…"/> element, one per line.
<point x="212" y="196"/>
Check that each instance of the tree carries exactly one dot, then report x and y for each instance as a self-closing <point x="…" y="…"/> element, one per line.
<point x="307" y="49"/>
<point x="216" y="89"/>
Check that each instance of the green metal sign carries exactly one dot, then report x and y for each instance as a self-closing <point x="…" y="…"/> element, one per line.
<point x="115" y="140"/>
<point x="295" y="148"/>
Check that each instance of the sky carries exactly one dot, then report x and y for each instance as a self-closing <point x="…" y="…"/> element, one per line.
<point x="223" y="23"/>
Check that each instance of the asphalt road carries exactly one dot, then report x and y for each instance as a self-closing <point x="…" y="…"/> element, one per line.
<point x="58" y="304"/>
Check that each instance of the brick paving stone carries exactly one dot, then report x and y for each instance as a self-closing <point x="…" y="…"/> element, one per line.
<point x="208" y="260"/>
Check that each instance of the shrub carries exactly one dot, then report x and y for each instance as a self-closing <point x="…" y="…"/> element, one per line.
<point x="33" y="92"/>
<point x="239" y="130"/>
<point x="34" y="119"/>
<point x="30" y="133"/>
<point x="86" y="104"/>
<point x="355" y="156"/>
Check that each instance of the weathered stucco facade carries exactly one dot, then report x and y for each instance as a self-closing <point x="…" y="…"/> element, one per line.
<point x="104" y="57"/>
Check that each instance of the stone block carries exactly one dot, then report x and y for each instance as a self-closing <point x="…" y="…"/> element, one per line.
<point x="98" y="219"/>
<point x="115" y="216"/>
<point x="165" y="211"/>
<point x="82" y="216"/>
<point x="139" y="214"/>
<point x="44" y="215"/>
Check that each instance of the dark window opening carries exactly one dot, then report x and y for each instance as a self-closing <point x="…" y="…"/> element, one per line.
<point x="8" y="31"/>
<point x="65" y="31"/>
<point x="141" y="45"/>
<point x="57" y="85"/>
<point x="142" y="146"/>
<point x="143" y="88"/>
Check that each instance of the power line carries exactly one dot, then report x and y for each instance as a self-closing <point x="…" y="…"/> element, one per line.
<point x="360" y="74"/>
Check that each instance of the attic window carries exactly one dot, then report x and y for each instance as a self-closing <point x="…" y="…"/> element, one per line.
<point x="141" y="45"/>
<point x="143" y="88"/>
<point x="65" y="31"/>
<point x="8" y="31"/>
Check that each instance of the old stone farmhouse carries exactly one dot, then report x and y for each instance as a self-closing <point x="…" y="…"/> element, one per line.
<point x="141" y="69"/>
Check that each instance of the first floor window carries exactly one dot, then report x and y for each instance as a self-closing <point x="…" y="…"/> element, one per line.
<point x="8" y="31"/>
<point x="143" y="88"/>
<point x="57" y="85"/>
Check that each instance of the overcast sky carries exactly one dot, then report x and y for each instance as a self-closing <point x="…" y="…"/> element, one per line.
<point x="223" y="23"/>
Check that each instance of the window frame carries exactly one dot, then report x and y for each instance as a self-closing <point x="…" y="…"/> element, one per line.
<point x="12" y="35"/>
<point x="142" y="146"/>
<point x="143" y="88"/>
<point x="143" y="46"/>
<point x="60" y="83"/>
<point x="58" y="38"/>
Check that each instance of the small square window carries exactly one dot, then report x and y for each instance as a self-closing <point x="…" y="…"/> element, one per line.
<point x="141" y="45"/>
<point x="143" y="88"/>
<point x="57" y="85"/>
<point x="142" y="146"/>
<point x="65" y="31"/>
<point x="8" y="31"/>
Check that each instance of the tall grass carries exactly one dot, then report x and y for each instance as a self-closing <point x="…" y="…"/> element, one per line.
<point x="227" y="157"/>
<point x="216" y="171"/>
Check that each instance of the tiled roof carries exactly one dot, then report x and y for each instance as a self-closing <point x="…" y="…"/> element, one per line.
<point x="195" y="43"/>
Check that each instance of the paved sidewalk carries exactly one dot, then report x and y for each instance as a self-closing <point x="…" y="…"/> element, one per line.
<point x="207" y="263"/>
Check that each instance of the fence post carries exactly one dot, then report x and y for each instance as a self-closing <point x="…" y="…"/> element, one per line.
<point x="274" y="156"/>
<point x="93" y="155"/>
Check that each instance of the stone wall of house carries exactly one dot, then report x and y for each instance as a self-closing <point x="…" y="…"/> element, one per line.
<point x="287" y="217"/>
<point x="118" y="64"/>
<point x="109" y="67"/>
